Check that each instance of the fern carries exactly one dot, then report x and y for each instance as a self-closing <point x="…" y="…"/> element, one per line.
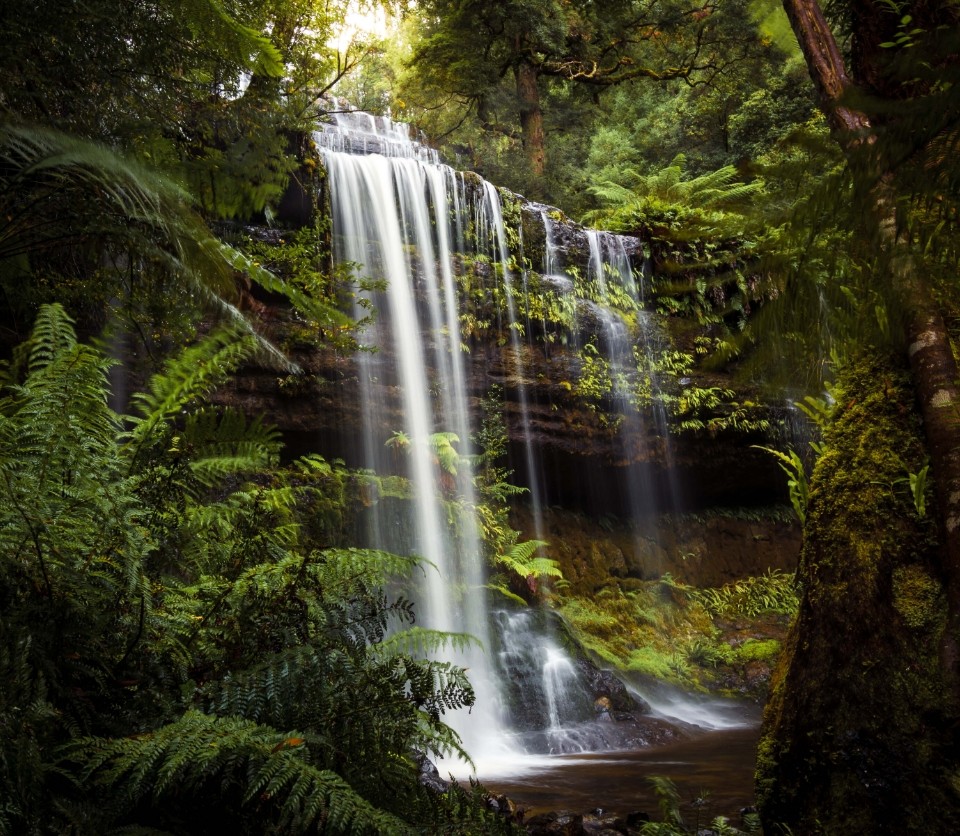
<point x="316" y="309"/>
<point x="710" y="192"/>
<point x="198" y="750"/>
<point x="189" y="377"/>
<point x="56" y="188"/>
<point x="520" y="559"/>
<point x="797" y="484"/>
<point x="420" y="641"/>
<point x="142" y="578"/>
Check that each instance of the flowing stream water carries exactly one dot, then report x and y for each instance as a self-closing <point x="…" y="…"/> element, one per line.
<point x="406" y="221"/>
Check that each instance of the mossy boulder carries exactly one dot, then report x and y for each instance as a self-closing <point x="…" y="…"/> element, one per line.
<point x="858" y="736"/>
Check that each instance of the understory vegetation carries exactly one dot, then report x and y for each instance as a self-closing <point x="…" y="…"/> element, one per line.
<point x="179" y="622"/>
<point x="722" y="639"/>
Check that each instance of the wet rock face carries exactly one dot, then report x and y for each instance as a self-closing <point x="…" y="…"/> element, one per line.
<point x="701" y="551"/>
<point x="583" y="458"/>
<point x="583" y="454"/>
<point x="611" y="697"/>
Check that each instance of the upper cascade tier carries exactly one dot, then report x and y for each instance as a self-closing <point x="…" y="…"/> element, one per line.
<point x="357" y="132"/>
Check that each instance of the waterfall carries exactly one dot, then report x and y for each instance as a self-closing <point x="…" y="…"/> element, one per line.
<point x="409" y="226"/>
<point x="497" y="237"/>
<point x="391" y="204"/>
<point x="608" y="260"/>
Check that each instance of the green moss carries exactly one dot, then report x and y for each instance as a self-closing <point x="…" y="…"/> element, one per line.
<point x="918" y="597"/>
<point x="643" y="630"/>
<point x="661" y="629"/>
<point x="655" y="663"/>
<point x="858" y="732"/>
<point x="757" y="650"/>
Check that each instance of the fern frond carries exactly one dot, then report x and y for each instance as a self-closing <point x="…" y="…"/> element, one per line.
<point x="249" y="48"/>
<point x="421" y="641"/>
<point x="52" y="335"/>
<point x="189" y="377"/>
<point x="180" y="758"/>
<point x="507" y="593"/>
<point x="224" y="443"/>
<point x="520" y="559"/>
<point x="312" y="307"/>
<point x="375" y="566"/>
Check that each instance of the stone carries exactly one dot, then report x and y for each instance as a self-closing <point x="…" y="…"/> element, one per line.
<point x="430" y="775"/>
<point x="557" y="823"/>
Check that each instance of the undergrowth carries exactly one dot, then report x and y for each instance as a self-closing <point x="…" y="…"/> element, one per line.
<point x="673" y="823"/>
<point x="705" y="639"/>
<point x="774" y="591"/>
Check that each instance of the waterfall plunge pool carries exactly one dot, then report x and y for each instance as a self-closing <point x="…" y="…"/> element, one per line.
<point x="711" y="763"/>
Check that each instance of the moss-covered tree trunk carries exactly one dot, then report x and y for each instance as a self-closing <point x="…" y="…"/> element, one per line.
<point x="858" y="733"/>
<point x="926" y="339"/>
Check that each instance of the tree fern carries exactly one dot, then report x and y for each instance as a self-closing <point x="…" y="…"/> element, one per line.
<point x="198" y="751"/>
<point x="56" y="189"/>
<point x="154" y="565"/>
<point x="711" y="191"/>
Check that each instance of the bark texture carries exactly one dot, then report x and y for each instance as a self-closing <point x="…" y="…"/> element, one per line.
<point x="860" y="733"/>
<point x="858" y="738"/>
<point x="531" y="117"/>
<point x="927" y="340"/>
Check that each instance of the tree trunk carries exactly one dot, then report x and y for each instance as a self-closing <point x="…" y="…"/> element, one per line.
<point x="874" y="650"/>
<point x="928" y="343"/>
<point x="531" y="117"/>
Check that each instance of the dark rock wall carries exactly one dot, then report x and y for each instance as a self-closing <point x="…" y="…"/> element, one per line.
<point x="700" y="550"/>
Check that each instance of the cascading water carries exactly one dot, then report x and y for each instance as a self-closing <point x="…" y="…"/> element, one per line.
<point x="408" y="223"/>
<point x="609" y="262"/>
<point x="391" y="204"/>
<point x="493" y="237"/>
<point x="609" y="321"/>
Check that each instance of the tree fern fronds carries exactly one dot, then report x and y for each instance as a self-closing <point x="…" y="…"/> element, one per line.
<point x="189" y="377"/>
<point x="314" y="308"/>
<point x="446" y="454"/>
<point x="43" y="167"/>
<point x="422" y="641"/>
<point x="612" y="193"/>
<point x="272" y="766"/>
<point x="524" y="550"/>
<point x="134" y="212"/>
<point x="435" y="687"/>
<point x="250" y="49"/>
<point x="264" y="350"/>
<point x="52" y="335"/>
<point x="276" y="689"/>
<point x="507" y="593"/>
<point x="667" y="189"/>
